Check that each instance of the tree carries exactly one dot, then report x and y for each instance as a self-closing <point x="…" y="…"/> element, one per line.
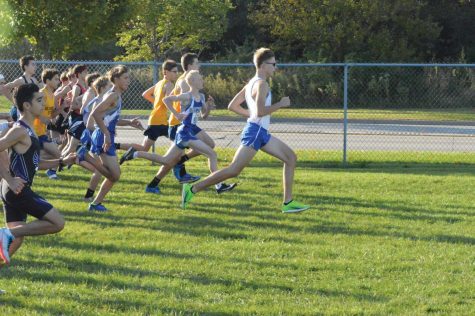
<point x="160" y="27"/>
<point x="340" y="30"/>
<point x="59" y="28"/>
<point x="456" y="18"/>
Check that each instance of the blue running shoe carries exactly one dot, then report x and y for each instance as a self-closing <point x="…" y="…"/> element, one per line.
<point x="155" y="190"/>
<point x="128" y="155"/>
<point x="188" y="178"/>
<point x="97" y="208"/>
<point x="176" y="171"/>
<point x="51" y="173"/>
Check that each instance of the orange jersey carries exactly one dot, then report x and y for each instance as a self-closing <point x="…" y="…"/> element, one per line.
<point x="159" y="112"/>
<point x="40" y="127"/>
<point x="176" y="105"/>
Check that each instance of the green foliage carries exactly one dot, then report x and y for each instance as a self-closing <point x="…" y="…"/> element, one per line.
<point x="6" y="23"/>
<point x="230" y="30"/>
<point x="160" y="28"/>
<point x="58" y="28"/>
<point x="394" y="87"/>
<point x="345" y="30"/>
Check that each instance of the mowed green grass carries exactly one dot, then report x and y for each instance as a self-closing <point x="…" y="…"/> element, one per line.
<point x="391" y="234"/>
<point x="461" y="114"/>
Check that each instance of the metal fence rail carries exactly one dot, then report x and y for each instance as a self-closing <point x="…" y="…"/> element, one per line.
<point x="345" y="107"/>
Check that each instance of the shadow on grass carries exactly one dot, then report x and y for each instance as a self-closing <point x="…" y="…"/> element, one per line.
<point x="429" y="214"/>
<point x="340" y="229"/>
<point x="396" y="167"/>
<point x="88" y="271"/>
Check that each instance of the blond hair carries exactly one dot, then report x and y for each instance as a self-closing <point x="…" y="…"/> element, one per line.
<point x="189" y="76"/>
<point x="100" y="83"/>
<point x="261" y="55"/>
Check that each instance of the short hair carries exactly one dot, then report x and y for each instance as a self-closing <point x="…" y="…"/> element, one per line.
<point x="116" y="72"/>
<point x="24" y="93"/>
<point x="78" y="69"/>
<point x="71" y="73"/>
<point x="190" y="75"/>
<point x="261" y="55"/>
<point x="187" y="60"/>
<point x="48" y="74"/>
<point x="91" y="77"/>
<point x="168" y="65"/>
<point x="64" y="76"/>
<point x="25" y="61"/>
<point x="100" y="83"/>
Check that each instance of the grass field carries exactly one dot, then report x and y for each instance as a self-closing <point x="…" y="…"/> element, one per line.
<point x="391" y="236"/>
<point x="463" y="114"/>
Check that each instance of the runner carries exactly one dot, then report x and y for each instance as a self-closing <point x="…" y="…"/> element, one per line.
<point x="18" y="198"/>
<point x="255" y="135"/>
<point x="188" y="135"/>
<point x="107" y="115"/>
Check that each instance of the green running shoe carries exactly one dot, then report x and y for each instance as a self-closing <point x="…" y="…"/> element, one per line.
<point x="186" y="195"/>
<point x="294" y="207"/>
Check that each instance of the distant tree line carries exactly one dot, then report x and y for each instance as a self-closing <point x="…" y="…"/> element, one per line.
<point x="225" y="30"/>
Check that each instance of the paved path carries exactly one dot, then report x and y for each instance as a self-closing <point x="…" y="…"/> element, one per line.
<point x="328" y="134"/>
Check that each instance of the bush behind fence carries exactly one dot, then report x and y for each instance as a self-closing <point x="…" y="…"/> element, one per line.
<point x="309" y="86"/>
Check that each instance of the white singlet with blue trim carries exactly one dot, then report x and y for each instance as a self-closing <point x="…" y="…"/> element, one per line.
<point x="264" y="121"/>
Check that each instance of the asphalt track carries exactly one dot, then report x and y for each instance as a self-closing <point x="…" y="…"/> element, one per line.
<point x="327" y="134"/>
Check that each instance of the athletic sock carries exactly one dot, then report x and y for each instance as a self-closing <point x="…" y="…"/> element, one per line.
<point x="154" y="182"/>
<point x="183" y="159"/>
<point x="89" y="193"/>
<point x="288" y="202"/>
<point x="182" y="170"/>
<point x="135" y="154"/>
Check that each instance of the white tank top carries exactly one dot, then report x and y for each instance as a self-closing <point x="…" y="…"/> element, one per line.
<point x="264" y="121"/>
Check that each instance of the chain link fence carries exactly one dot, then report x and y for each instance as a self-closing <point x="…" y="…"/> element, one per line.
<point x="352" y="108"/>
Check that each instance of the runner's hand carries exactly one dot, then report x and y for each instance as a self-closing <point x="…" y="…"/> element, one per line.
<point x="210" y="103"/>
<point x="285" y="102"/>
<point x="136" y="124"/>
<point x="69" y="159"/>
<point x="107" y="143"/>
<point x="16" y="184"/>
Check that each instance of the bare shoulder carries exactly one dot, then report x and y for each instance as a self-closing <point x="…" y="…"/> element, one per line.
<point x="17" y="132"/>
<point x="261" y="86"/>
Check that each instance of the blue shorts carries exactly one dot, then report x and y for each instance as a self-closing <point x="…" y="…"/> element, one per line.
<point x="153" y="132"/>
<point x="44" y="139"/>
<point x="254" y="136"/>
<point x="86" y="139"/>
<point x="97" y="140"/>
<point x="76" y="129"/>
<point x="173" y="129"/>
<point x="184" y="134"/>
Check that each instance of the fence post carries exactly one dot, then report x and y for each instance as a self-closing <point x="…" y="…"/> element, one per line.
<point x="345" y="115"/>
